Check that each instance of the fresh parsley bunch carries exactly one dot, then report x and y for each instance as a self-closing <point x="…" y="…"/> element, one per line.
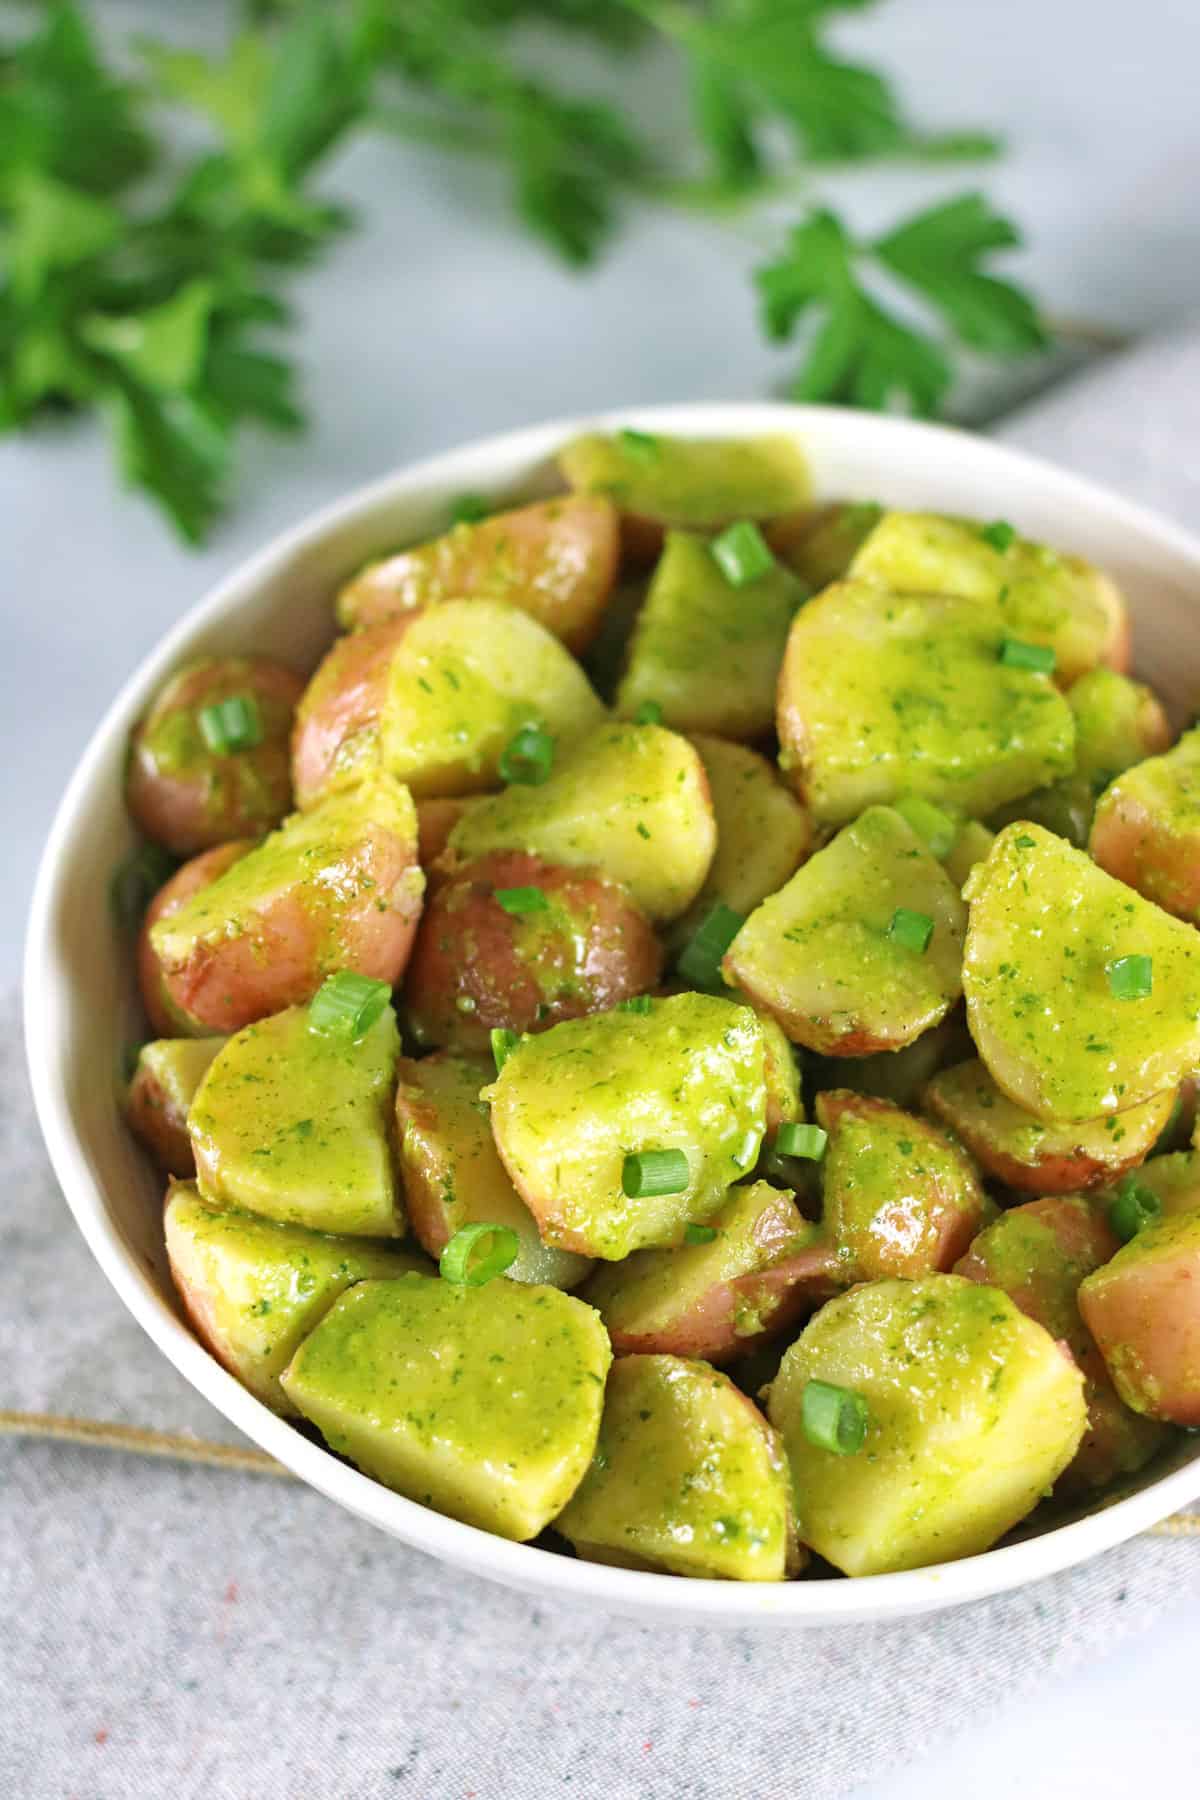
<point x="148" y="285"/>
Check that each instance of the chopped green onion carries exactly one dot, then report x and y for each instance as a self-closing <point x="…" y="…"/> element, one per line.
<point x="468" y="509"/>
<point x="228" y="726"/>
<point x="477" y="1253"/>
<point x="999" y="534"/>
<point x="347" y="1005"/>
<point x="503" y="1045"/>
<point x="699" y="1234"/>
<point x="638" y="1003"/>
<point x="528" y="758"/>
<point x="1130" y="977"/>
<point x="742" y="553"/>
<point x="1015" y="653"/>
<point x="648" y="713"/>
<point x="808" y="1141"/>
<point x="834" y="1418"/>
<point x="912" y="929"/>
<point x="700" y="961"/>
<point x="640" y="444"/>
<point x="654" y="1172"/>
<point x="930" y="823"/>
<point x="521" y="900"/>
<point x="136" y="880"/>
<point x="1132" y="1206"/>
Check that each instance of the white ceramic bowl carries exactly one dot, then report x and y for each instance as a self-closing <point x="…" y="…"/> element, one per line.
<point x="82" y="1006"/>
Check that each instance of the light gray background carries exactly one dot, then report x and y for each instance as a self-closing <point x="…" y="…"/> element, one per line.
<point x="437" y="322"/>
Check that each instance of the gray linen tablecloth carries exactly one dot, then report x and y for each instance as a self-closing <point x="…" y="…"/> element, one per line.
<point x="182" y="1631"/>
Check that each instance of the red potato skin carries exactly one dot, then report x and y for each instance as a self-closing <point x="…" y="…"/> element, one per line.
<point x="563" y="553"/>
<point x="781" y="1295"/>
<point x="436" y="819"/>
<point x="1145" y="1317"/>
<point x="426" y="1176"/>
<point x="165" y="1019"/>
<point x="210" y="800"/>
<point x="476" y="968"/>
<point x="342" y="702"/>
<point x="161" y="1127"/>
<point x="1147" y="853"/>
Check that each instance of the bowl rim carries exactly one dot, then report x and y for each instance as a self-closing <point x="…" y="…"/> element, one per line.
<point x="524" y="1565"/>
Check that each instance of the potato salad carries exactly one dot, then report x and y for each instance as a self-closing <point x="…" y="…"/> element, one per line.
<point x="678" y="1039"/>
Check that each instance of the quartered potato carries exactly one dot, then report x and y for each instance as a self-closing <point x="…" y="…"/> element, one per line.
<point x="337" y="887"/>
<point x="253" y="1289"/>
<point x="972" y="845"/>
<point x="757" y="1268"/>
<point x="1040" y="1156"/>
<point x="819" y="544"/>
<point x="901" y="1198"/>
<point x="1143" y="1309"/>
<point x="630" y="803"/>
<point x="1043" y="596"/>
<point x="884" y="695"/>
<point x="687" y="1477"/>
<point x="161" y="1089"/>
<point x="571" y="1105"/>
<point x="164" y="1016"/>
<point x="482" y="1402"/>
<point x="1147" y="828"/>
<point x="336" y="736"/>
<point x="1057" y="957"/>
<point x="555" y="560"/>
<point x="830" y="957"/>
<point x="295" y="1124"/>
<point x="463" y="680"/>
<point x="452" y="1174"/>
<point x="209" y="762"/>
<point x="972" y="1413"/>
<point x="1038" y="1254"/>
<point x="509" y="942"/>
<point x="705" y="651"/>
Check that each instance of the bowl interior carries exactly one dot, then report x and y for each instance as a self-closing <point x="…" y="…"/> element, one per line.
<point x="82" y="1008"/>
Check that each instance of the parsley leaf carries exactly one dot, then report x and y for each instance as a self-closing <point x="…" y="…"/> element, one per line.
<point x="939" y="252"/>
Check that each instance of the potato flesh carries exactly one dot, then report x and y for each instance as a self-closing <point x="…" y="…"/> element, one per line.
<point x="1117" y="723"/>
<point x="1147" y="828"/>
<point x="1143" y="1309"/>
<point x="631" y="801"/>
<point x="1045" y="923"/>
<point x="254" y="1288"/>
<point x="294" y="1124"/>
<point x="974" y="1412"/>
<point x="482" y="1402"/>
<point x="820" y="545"/>
<point x="883" y="695"/>
<point x="696" y="483"/>
<point x="464" y="679"/>
<point x="688" y="1477"/>
<point x="570" y="1104"/>
<point x="818" y="955"/>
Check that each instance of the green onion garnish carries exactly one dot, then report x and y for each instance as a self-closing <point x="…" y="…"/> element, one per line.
<point x="228" y="726"/>
<point x="521" y="900"/>
<point x="742" y="553"/>
<point x="1132" y="1207"/>
<point x="1015" y="653"/>
<point x="912" y="929"/>
<point x="654" y="1172"/>
<point x="468" y="509"/>
<point x="808" y="1141"/>
<point x="640" y="444"/>
<point x="503" y="1045"/>
<point x="700" y="961"/>
<point x="528" y="758"/>
<point x="999" y="534"/>
<point x="638" y="1003"/>
<point x="834" y="1418"/>
<point x="699" y="1234"/>
<point x="648" y="713"/>
<point x="477" y="1253"/>
<point x="1130" y="977"/>
<point x="347" y="1005"/>
<point x="930" y="823"/>
<point x="136" y="880"/>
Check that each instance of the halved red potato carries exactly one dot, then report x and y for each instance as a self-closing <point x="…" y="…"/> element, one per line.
<point x="162" y="1087"/>
<point x="1143" y="1309"/>
<point x="337" y="887"/>
<point x="1147" y="828"/>
<point x="565" y="944"/>
<point x="180" y="791"/>
<point x="336" y="734"/>
<point x="556" y="560"/>
<point x="901" y="1198"/>
<point x="1038" y="1254"/>
<point x="763" y="1268"/>
<point x="165" y="1018"/>
<point x="1041" y="1156"/>
<point x="436" y="819"/>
